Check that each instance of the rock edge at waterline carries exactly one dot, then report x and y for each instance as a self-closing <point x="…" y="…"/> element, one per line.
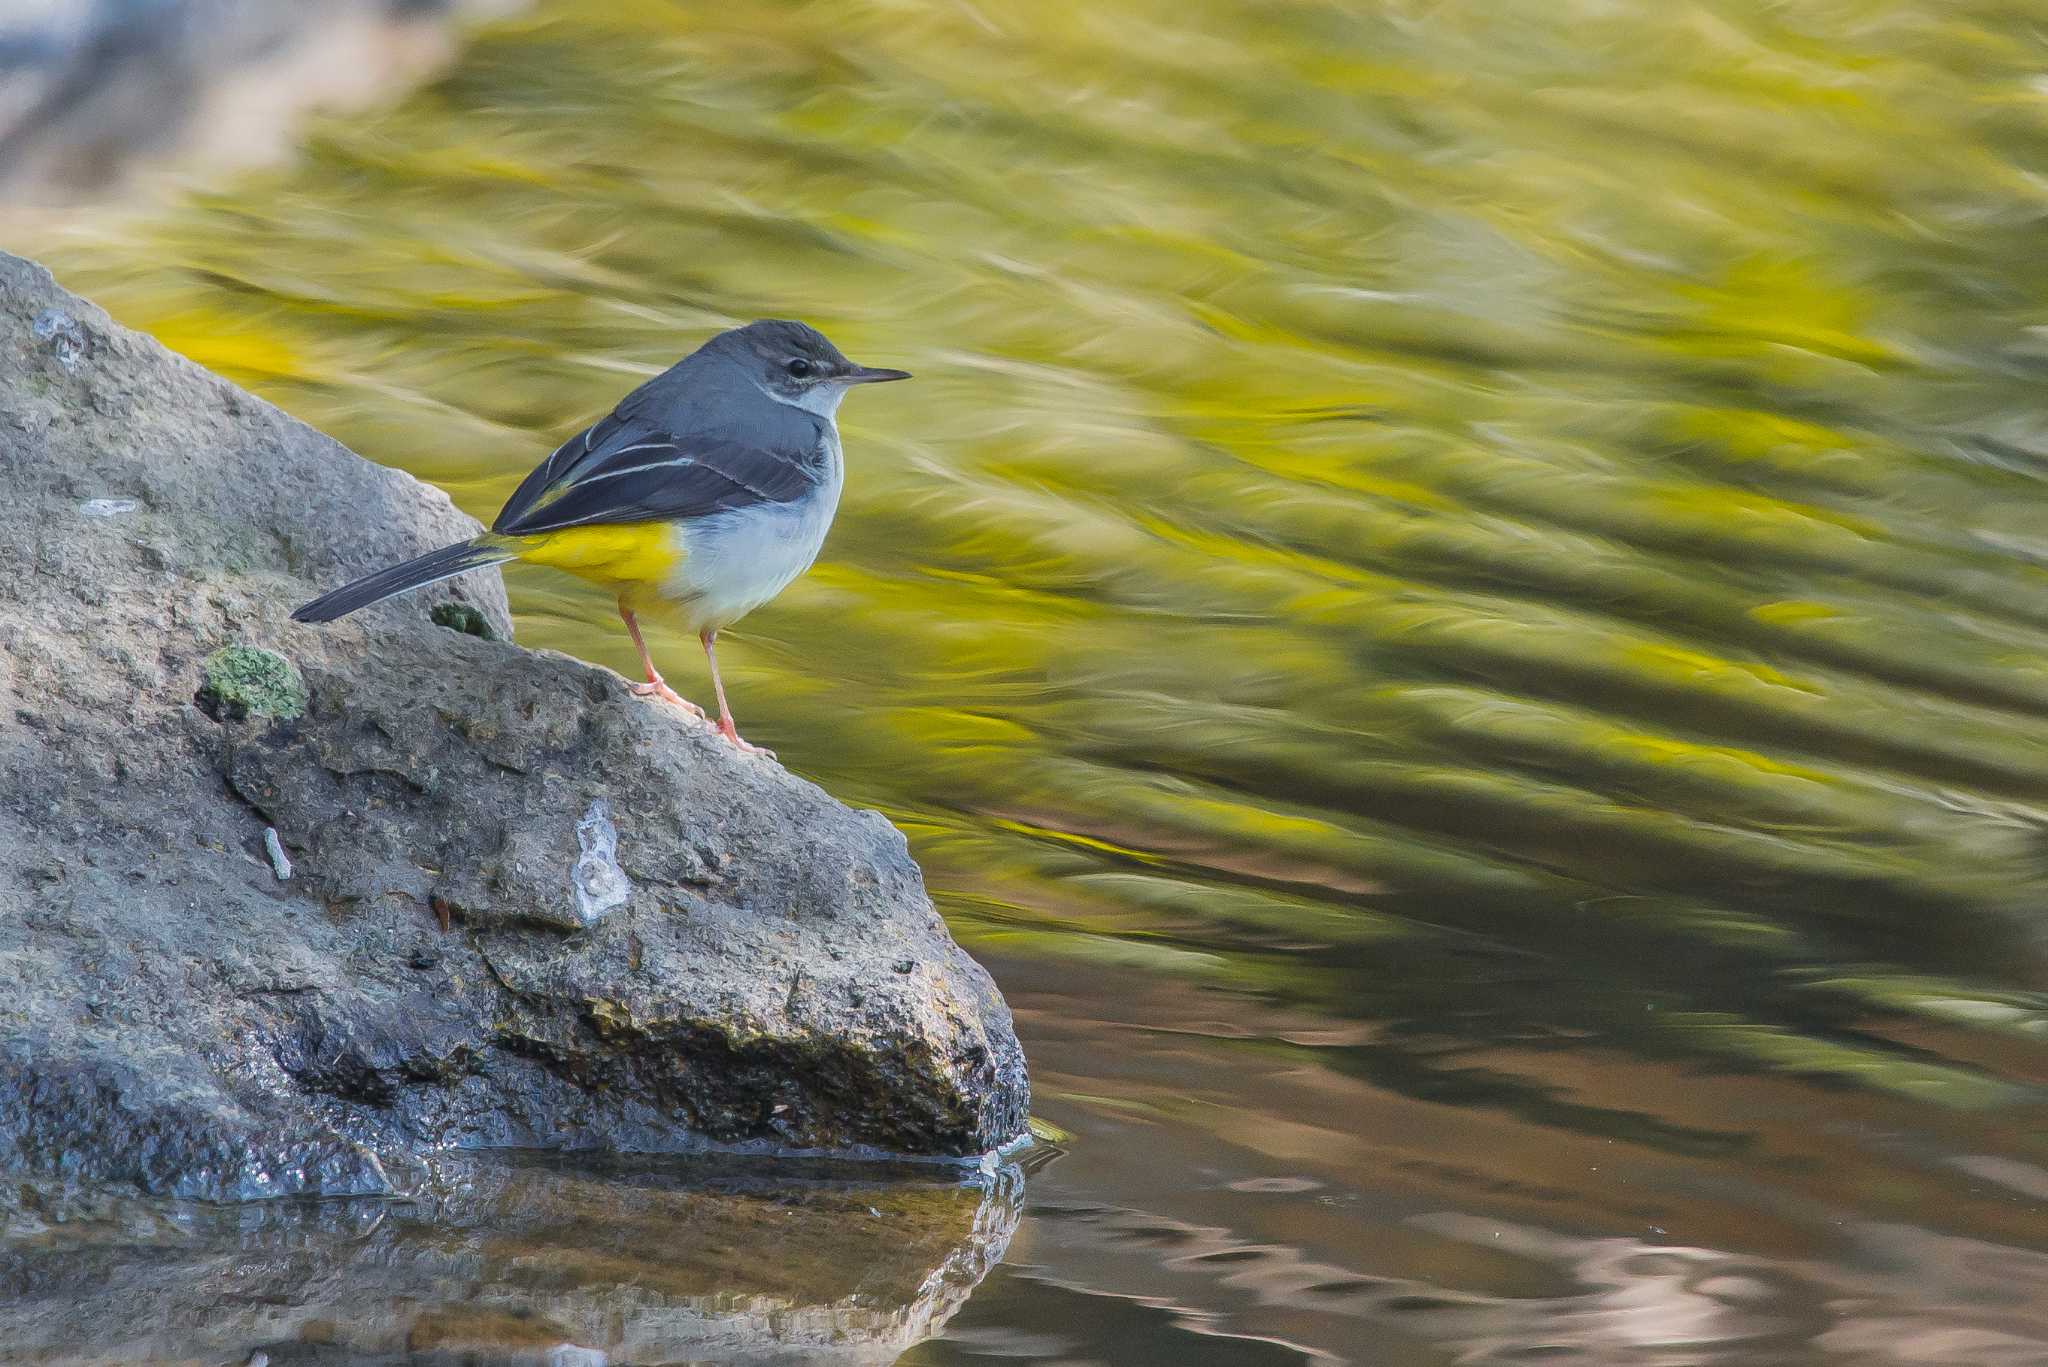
<point x="506" y="903"/>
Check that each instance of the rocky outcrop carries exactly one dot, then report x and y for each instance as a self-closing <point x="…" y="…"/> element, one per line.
<point x="522" y="906"/>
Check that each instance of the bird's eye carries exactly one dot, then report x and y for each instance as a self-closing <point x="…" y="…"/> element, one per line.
<point x="799" y="367"/>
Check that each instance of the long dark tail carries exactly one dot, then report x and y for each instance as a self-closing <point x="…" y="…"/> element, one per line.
<point x="430" y="568"/>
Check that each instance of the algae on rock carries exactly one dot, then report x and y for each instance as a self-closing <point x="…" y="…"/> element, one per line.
<point x="240" y="681"/>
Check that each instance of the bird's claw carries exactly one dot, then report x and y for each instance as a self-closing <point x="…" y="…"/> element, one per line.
<point x="731" y="733"/>
<point x="656" y="688"/>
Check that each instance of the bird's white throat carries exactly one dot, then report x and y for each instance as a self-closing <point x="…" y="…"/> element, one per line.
<point x="822" y="399"/>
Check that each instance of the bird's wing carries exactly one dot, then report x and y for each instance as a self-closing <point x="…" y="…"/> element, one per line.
<point x="559" y="463"/>
<point x="621" y="471"/>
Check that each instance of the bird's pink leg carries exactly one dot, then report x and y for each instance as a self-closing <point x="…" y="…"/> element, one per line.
<point x="656" y="686"/>
<point x="725" y="725"/>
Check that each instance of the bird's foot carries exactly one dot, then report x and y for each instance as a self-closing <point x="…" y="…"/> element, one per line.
<point x="731" y="733"/>
<point x="657" y="688"/>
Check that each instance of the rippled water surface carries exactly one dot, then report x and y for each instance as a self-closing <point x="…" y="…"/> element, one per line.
<point x="1459" y="607"/>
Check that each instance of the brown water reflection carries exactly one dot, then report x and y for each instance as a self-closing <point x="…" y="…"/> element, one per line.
<point x="1459" y="603"/>
<point x="1224" y="1180"/>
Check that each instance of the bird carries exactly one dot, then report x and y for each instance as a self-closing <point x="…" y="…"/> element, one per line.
<point x="703" y="494"/>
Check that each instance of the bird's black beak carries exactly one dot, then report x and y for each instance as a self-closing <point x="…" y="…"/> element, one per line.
<point x="862" y="374"/>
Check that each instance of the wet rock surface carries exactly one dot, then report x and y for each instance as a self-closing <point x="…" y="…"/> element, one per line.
<point x="516" y="1260"/>
<point x="524" y="907"/>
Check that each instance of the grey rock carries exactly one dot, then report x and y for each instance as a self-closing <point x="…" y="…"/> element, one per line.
<point x="180" y="1021"/>
<point x="67" y="343"/>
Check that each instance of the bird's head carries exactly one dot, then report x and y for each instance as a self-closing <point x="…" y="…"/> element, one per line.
<point x="793" y="363"/>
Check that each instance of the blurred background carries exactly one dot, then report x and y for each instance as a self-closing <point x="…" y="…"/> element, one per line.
<point x="1459" y="608"/>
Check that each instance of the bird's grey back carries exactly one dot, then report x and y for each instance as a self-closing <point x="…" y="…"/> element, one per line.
<point x="701" y="437"/>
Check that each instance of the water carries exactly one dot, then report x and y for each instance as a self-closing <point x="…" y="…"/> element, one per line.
<point x="522" y="1259"/>
<point x="1458" y="608"/>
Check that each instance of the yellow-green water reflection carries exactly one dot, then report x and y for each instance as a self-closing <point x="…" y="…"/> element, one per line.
<point x="1511" y="522"/>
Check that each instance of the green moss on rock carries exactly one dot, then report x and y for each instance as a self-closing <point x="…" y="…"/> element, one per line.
<point x="463" y="618"/>
<point x="241" y="681"/>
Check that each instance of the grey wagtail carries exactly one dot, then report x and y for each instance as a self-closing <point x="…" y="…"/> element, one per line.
<point x="707" y="490"/>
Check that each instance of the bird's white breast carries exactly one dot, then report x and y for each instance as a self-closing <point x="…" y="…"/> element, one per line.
<point x="735" y="561"/>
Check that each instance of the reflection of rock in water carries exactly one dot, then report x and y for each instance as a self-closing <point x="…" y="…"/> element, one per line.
<point x="89" y="91"/>
<point x="522" y="1260"/>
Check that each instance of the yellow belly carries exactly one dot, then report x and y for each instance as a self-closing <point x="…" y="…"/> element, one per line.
<point x="632" y="559"/>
